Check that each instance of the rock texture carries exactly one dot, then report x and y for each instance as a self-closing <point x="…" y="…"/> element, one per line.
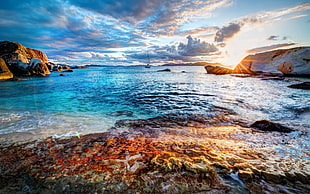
<point x="5" y="73"/>
<point x="166" y="154"/>
<point x="294" y="61"/>
<point x="23" y="61"/>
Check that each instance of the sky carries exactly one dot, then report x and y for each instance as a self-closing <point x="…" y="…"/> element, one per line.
<point x="135" y="32"/>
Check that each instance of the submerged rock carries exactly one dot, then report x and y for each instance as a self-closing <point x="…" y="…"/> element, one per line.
<point x="265" y="125"/>
<point x="304" y="85"/>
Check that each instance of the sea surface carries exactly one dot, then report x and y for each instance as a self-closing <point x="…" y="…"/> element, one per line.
<point x="92" y="100"/>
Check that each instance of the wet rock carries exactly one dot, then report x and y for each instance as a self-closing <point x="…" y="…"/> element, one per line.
<point x="68" y="70"/>
<point x="265" y="125"/>
<point x="164" y="70"/>
<point x="18" y="79"/>
<point x="304" y="85"/>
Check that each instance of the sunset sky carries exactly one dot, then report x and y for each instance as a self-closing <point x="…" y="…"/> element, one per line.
<point x="125" y="32"/>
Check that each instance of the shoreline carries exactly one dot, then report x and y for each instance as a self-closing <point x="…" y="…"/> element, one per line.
<point x="171" y="154"/>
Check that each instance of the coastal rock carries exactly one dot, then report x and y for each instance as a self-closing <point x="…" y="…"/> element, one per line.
<point x="34" y="68"/>
<point x="5" y="73"/>
<point x="265" y="125"/>
<point x="304" y="85"/>
<point x="80" y="67"/>
<point x="294" y="61"/>
<point x="164" y="70"/>
<point x="18" y="59"/>
<point x="70" y="70"/>
<point x="218" y="70"/>
<point x="12" y="51"/>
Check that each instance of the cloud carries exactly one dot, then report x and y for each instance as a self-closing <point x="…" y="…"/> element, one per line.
<point x="227" y="32"/>
<point x="272" y="38"/>
<point x="182" y="52"/>
<point x="270" y="47"/>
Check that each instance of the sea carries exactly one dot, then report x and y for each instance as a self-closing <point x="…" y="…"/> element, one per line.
<point x="92" y="100"/>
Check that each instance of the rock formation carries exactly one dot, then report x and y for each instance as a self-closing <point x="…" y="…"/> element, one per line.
<point x="23" y="61"/>
<point x="5" y="73"/>
<point x="294" y="61"/>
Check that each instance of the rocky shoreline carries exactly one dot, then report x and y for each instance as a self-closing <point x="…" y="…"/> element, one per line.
<point x="167" y="154"/>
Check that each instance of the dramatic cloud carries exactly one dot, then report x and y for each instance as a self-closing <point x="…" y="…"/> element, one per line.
<point x="88" y="31"/>
<point x="184" y="52"/>
<point x="270" y="47"/>
<point x="227" y="32"/>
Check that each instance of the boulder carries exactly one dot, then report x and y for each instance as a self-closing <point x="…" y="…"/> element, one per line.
<point x="19" y="59"/>
<point x="304" y="85"/>
<point x="12" y="51"/>
<point x="294" y="61"/>
<point x="70" y="70"/>
<point x="5" y="73"/>
<point x="265" y="125"/>
<point x="36" y="67"/>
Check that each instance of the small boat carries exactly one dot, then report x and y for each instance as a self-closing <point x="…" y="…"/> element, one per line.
<point x="148" y="59"/>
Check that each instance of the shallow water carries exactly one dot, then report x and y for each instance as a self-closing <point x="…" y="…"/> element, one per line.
<point x="91" y="100"/>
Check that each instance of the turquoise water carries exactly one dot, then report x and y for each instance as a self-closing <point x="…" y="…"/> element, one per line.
<point x="91" y="100"/>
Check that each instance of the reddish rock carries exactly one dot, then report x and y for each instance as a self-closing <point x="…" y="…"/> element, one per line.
<point x="23" y="61"/>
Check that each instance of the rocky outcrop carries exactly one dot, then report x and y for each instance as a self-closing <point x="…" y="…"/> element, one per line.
<point x="304" y="85"/>
<point x="294" y="61"/>
<point x="291" y="62"/>
<point x="5" y="73"/>
<point x="23" y="61"/>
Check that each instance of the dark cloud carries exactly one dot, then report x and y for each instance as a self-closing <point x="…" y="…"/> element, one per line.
<point x="227" y="32"/>
<point x="270" y="47"/>
<point x="272" y="38"/>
